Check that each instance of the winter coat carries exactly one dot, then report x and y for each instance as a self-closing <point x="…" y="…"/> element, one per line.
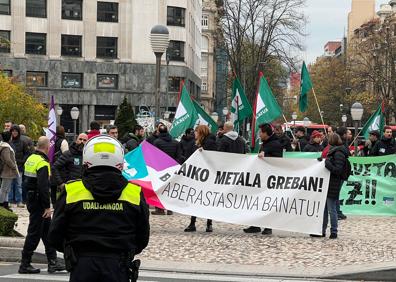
<point x="285" y="142"/>
<point x="209" y="143"/>
<point x="384" y="147"/>
<point x="7" y="155"/>
<point x="131" y="142"/>
<point x="272" y="147"/>
<point x="313" y="147"/>
<point x="92" y="133"/>
<point x="336" y="164"/>
<point x="21" y="148"/>
<point x="69" y="166"/>
<point x="188" y="146"/>
<point x="301" y="143"/>
<point x="152" y="138"/>
<point x="168" y="145"/>
<point x="231" y="142"/>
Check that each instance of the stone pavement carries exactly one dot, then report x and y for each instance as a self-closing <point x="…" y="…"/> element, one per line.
<point x="364" y="243"/>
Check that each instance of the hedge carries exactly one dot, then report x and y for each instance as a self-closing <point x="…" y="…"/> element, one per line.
<point x="7" y="221"/>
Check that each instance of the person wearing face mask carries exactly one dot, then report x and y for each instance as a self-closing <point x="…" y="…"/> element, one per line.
<point x="69" y="165"/>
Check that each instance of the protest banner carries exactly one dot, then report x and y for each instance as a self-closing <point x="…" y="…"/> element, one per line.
<point x="241" y="189"/>
<point x="371" y="189"/>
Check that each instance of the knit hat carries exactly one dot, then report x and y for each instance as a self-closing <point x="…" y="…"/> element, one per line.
<point x="315" y="134"/>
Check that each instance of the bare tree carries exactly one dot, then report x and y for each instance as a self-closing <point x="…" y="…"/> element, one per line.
<point x="256" y="32"/>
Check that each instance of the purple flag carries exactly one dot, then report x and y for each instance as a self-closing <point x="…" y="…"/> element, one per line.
<point x="51" y="132"/>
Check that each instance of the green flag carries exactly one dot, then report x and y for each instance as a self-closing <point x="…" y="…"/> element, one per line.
<point x="306" y="86"/>
<point x="266" y="108"/>
<point x="204" y="118"/>
<point x="185" y="116"/>
<point x="240" y="107"/>
<point x="375" y="122"/>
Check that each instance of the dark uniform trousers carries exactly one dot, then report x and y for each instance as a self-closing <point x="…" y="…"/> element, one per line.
<point x="38" y="229"/>
<point x="99" y="269"/>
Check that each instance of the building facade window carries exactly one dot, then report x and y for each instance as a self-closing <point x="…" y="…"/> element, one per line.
<point x="176" y="16"/>
<point x="71" y="45"/>
<point x="204" y="86"/>
<point x="204" y="65"/>
<point x="107" y="12"/>
<point x="7" y="73"/>
<point x="36" y="8"/>
<point x="36" y="43"/>
<point x="36" y="79"/>
<point x="205" y="21"/>
<point x="106" y="47"/>
<point x="4" y="41"/>
<point x="5" y="7"/>
<point x="107" y="81"/>
<point x="205" y="44"/>
<point x="176" y="50"/>
<point x="72" y="80"/>
<point x="174" y="83"/>
<point x="72" y="9"/>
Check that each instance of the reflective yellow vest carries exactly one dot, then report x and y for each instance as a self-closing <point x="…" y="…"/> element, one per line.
<point x="76" y="192"/>
<point x="34" y="163"/>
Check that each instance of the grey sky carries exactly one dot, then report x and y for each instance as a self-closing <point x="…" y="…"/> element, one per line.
<point x="327" y="20"/>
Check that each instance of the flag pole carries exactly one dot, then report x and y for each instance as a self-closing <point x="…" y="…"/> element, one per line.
<point x="320" y="112"/>
<point x="291" y="131"/>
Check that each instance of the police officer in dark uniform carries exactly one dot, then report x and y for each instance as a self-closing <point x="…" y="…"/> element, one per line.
<point x="36" y="181"/>
<point x="101" y="222"/>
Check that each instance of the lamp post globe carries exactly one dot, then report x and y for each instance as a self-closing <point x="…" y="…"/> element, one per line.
<point x="159" y="39"/>
<point x="74" y="113"/>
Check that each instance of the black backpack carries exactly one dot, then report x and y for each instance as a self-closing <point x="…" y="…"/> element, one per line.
<point x="347" y="170"/>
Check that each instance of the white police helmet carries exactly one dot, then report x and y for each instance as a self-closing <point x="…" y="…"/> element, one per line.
<point x="103" y="150"/>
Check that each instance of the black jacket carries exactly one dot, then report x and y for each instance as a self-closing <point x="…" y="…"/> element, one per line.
<point x="285" y="142"/>
<point x="209" y="143"/>
<point x="101" y="230"/>
<point x="22" y="147"/>
<point x="231" y="142"/>
<point x="69" y="166"/>
<point x="168" y="145"/>
<point x="272" y="147"/>
<point x="152" y="138"/>
<point x="313" y="147"/>
<point x="336" y="164"/>
<point x="188" y="146"/>
<point x="384" y="147"/>
<point x="131" y="141"/>
<point x="301" y="143"/>
<point x="40" y="184"/>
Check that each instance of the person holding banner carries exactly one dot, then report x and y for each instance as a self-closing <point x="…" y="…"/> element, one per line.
<point x="385" y="146"/>
<point x="204" y="141"/>
<point x="336" y="162"/>
<point x="314" y="144"/>
<point x="271" y="147"/>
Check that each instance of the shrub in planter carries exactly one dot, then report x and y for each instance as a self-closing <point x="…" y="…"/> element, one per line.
<point x="7" y="221"/>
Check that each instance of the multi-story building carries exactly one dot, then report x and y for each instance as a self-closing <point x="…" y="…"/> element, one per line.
<point x="208" y="58"/>
<point x="91" y="54"/>
<point x="361" y="12"/>
<point x="331" y="47"/>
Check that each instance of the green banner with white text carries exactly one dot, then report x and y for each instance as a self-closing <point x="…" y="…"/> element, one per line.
<point x="371" y="189"/>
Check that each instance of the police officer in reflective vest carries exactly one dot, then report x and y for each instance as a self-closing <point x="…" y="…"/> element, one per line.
<point x="36" y="181"/>
<point x="101" y="221"/>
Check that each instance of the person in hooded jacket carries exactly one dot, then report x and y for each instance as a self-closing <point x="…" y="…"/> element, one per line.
<point x="101" y="221"/>
<point x="314" y="142"/>
<point x="132" y="140"/>
<point x="283" y="138"/>
<point x="9" y="169"/>
<point x="187" y="144"/>
<point x="153" y="136"/>
<point x="231" y="142"/>
<point x="69" y="166"/>
<point x="172" y="148"/>
<point x="336" y="164"/>
<point x="204" y="140"/>
<point x="301" y="140"/>
<point x="386" y="145"/>
<point x="22" y="151"/>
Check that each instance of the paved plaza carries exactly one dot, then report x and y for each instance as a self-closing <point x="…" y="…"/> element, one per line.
<point x="364" y="243"/>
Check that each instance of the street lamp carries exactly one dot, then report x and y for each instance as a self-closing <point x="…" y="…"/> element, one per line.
<point x="225" y="112"/>
<point x="59" y="112"/>
<point x="74" y="112"/>
<point x="344" y="119"/>
<point x="167" y="55"/>
<point x="306" y="122"/>
<point x="159" y="38"/>
<point x="357" y="114"/>
<point x="294" y="117"/>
